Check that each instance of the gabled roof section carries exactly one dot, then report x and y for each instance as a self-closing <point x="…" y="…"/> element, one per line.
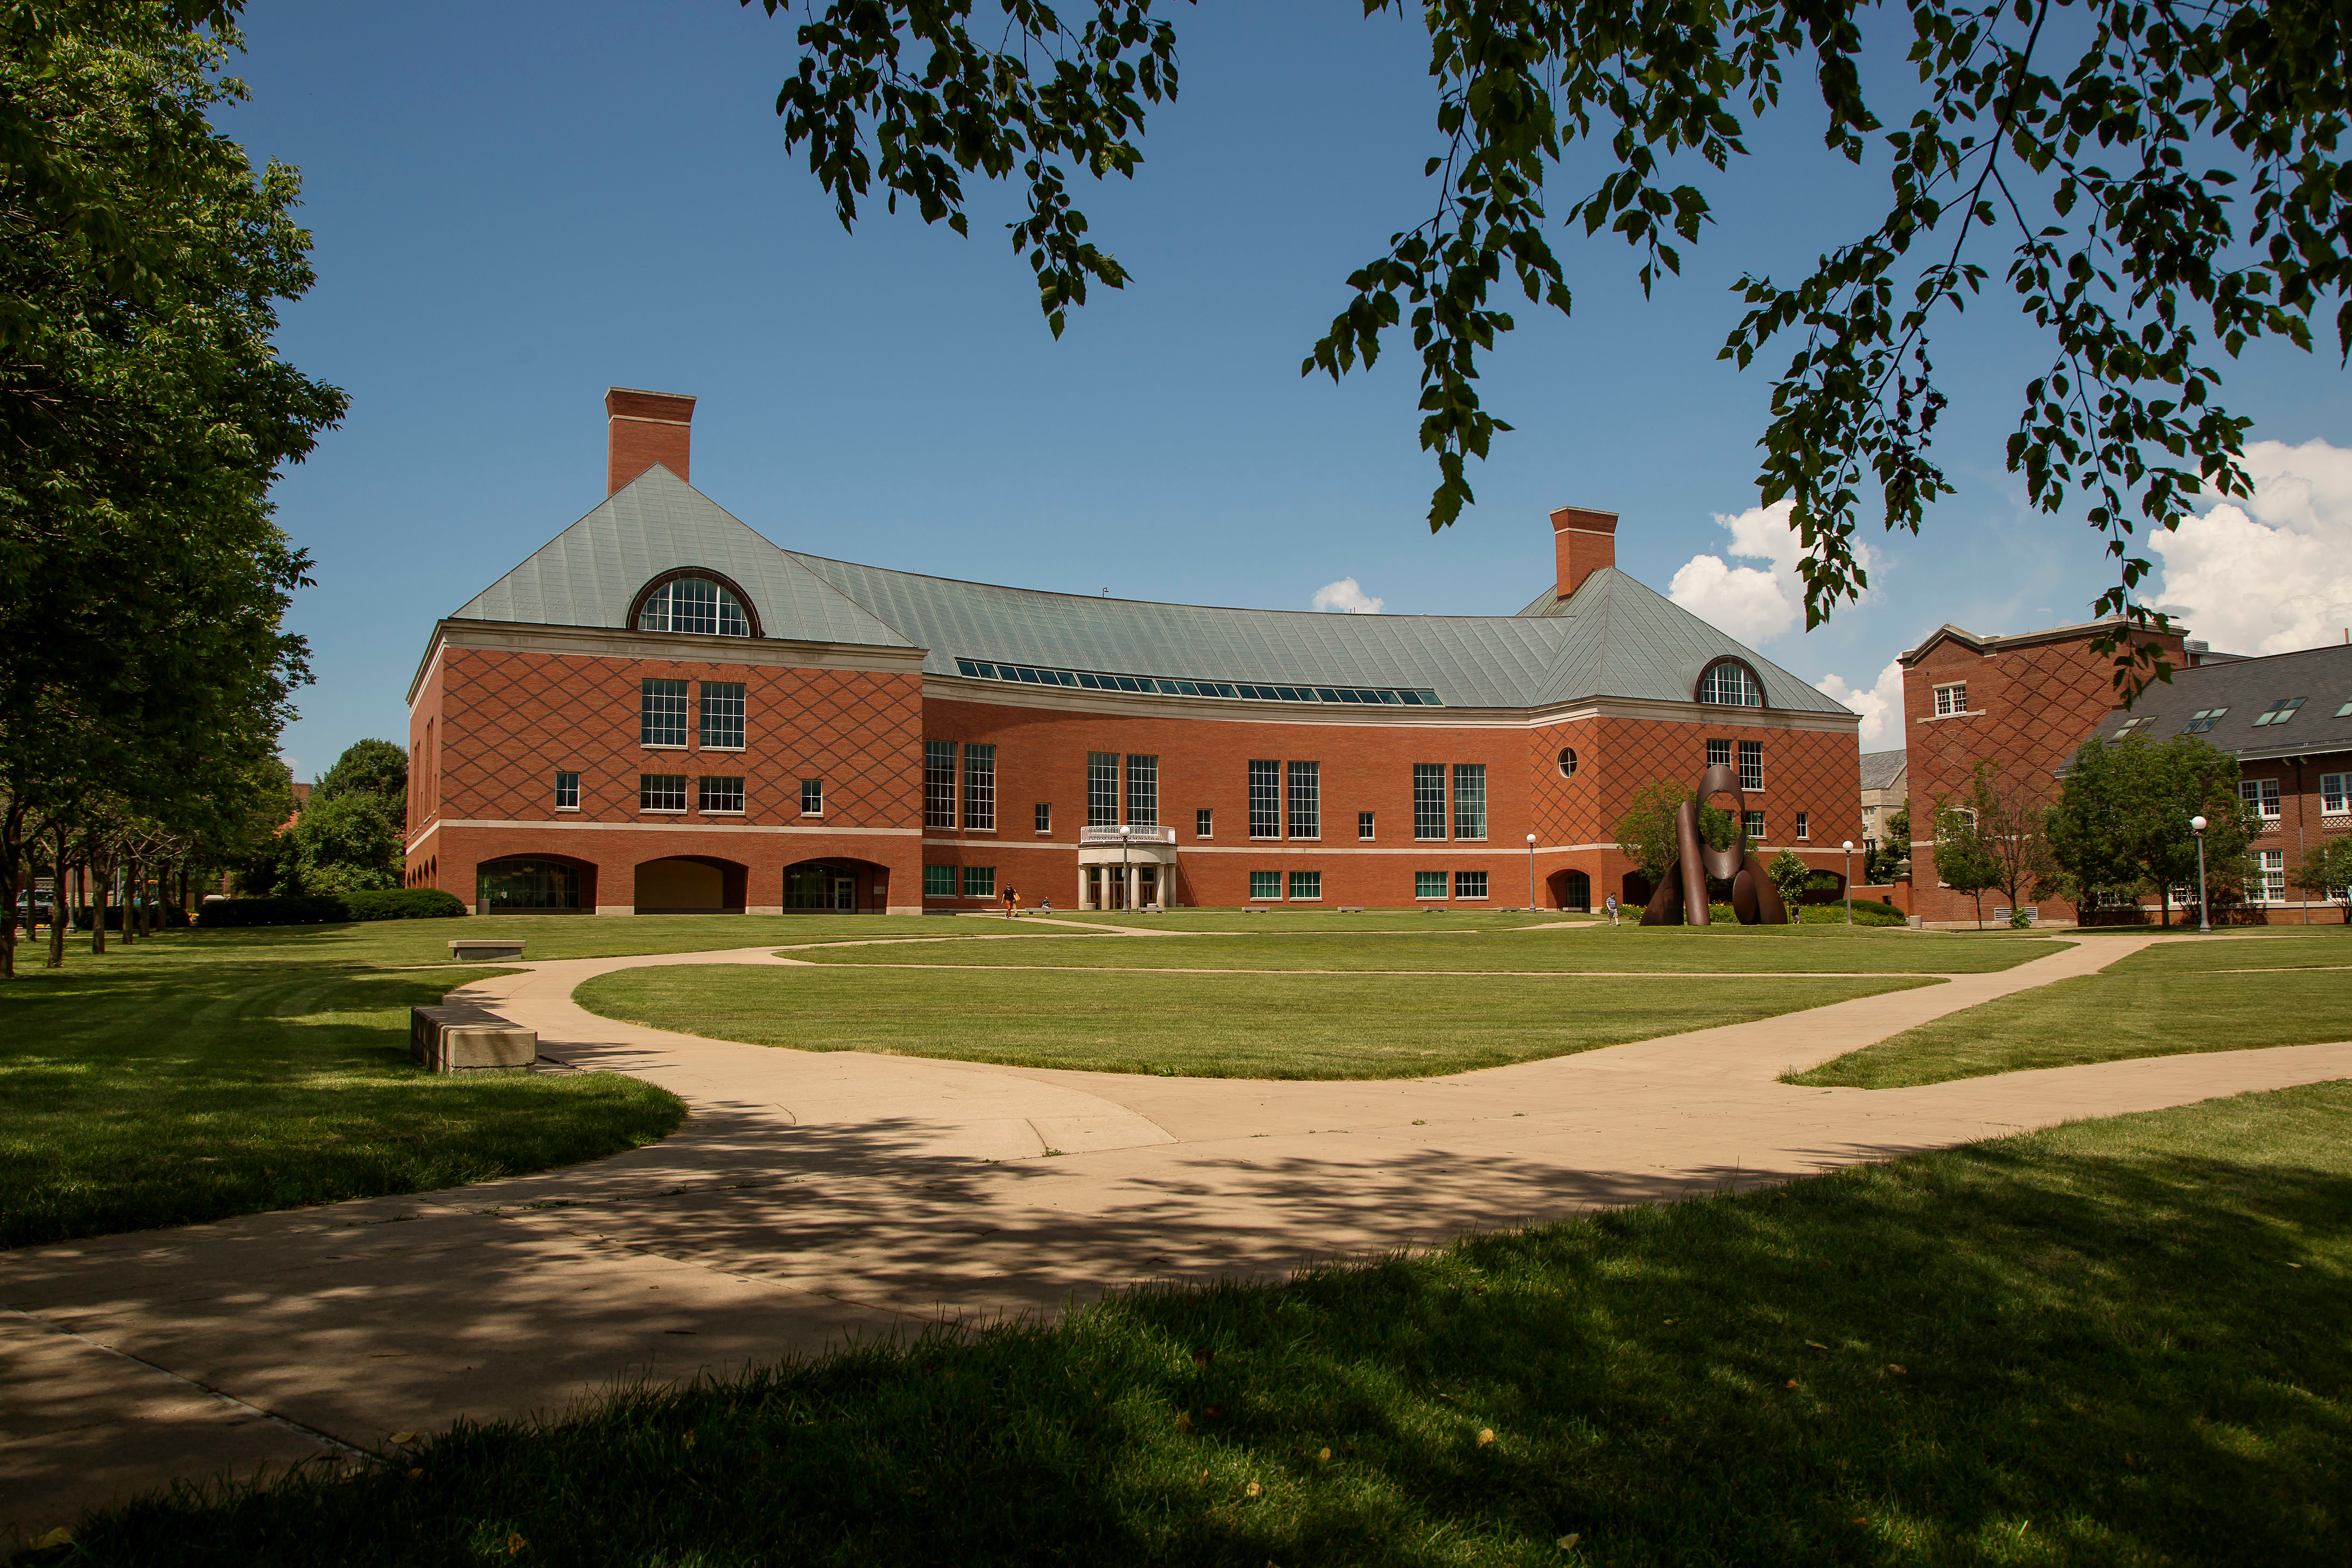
<point x="589" y="574"/>
<point x="1881" y="770"/>
<point x="1471" y="661"/>
<point x="1626" y="639"/>
<point x="2246" y="689"/>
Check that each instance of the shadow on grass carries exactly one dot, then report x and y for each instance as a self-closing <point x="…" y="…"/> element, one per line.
<point x="2110" y="1342"/>
<point x="145" y="1094"/>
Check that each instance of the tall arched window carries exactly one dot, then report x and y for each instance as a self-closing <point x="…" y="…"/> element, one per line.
<point x="694" y="604"/>
<point x="1732" y="684"/>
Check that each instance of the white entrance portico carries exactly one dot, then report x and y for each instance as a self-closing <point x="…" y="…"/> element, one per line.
<point x="1132" y="865"/>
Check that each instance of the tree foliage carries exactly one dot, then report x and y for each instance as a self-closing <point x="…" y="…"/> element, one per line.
<point x="2122" y="821"/>
<point x="1647" y="833"/>
<point x="2160" y="186"/>
<point x="1963" y="861"/>
<point x="378" y="769"/>
<point x="143" y="579"/>
<point x="2326" y="869"/>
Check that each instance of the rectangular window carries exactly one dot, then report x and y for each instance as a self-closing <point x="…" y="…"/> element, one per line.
<point x="1752" y="765"/>
<point x="724" y="795"/>
<point x="1718" y="753"/>
<point x="1469" y="884"/>
<point x="662" y="714"/>
<point x="1045" y="815"/>
<point x="2278" y="713"/>
<point x="567" y="792"/>
<point x="1470" y="801"/>
<point x="1307" y="884"/>
<point x="1363" y="825"/>
<point x="1264" y="800"/>
<point x="1805" y="824"/>
<point x="938" y="783"/>
<point x="1305" y="800"/>
<point x="723" y="714"/>
<point x="661" y="792"/>
<point x="1429" y="800"/>
<point x="1752" y="823"/>
<point x="812" y="798"/>
<point x="1204" y="823"/>
<point x="979" y="882"/>
<point x="2262" y="795"/>
<point x="980" y="787"/>
<point x="1143" y="791"/>
<point x="2335" y="794"/>
<point x="1429" y="884"/>
<point x="1266" y="884"/>
<point x="2274" y="889"/>
<point x="2204" y="718"/>
<point x="1102" y="789"/>
<point x="939" y="881"/>
<point x="1951" y="699"/>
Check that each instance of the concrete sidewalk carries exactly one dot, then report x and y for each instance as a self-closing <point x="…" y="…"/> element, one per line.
<point x="812" y="1198"/>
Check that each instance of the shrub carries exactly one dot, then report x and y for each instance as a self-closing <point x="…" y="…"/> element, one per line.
<point x="404" y="904"/>
<point x="166" y="918"/>
<point x="1863" y="915"/>
<point x="381" y="904"/>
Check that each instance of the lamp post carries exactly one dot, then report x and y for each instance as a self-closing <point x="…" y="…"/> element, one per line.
<point x="2204" y="914"/>
<point x="1126" y="877"/>
<point x="1849" y="881"/>
<point x="1531" y="873"/>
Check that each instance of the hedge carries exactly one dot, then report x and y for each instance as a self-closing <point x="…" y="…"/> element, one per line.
<point x="383" y="904"/>
<point x="167" y="918"/>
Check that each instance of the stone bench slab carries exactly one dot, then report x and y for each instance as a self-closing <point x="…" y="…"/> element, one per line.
<point x="481" y="949"/>
<point x="454" y="1038"/>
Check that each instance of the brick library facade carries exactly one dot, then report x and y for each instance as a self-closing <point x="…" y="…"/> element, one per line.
<point x="661" y="710"/>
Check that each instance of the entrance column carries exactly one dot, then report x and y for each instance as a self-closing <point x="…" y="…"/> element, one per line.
<point x="1134" y="881"/>
<point x="1082" y="889"/>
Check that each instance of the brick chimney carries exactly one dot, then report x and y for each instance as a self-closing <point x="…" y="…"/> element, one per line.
<point x="1585" y="542"/>
<point x="644" y="428"/>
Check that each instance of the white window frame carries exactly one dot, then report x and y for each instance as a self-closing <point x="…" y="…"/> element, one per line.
<point x="1422" y="879"/>
<point x="1751" y="778"/>
<point x="1311" y="881"/>
<point x="979" y="787"/>
<point x="1469" y="798"/>
<point x="656" y="717"/>
<point x="1429" y="802"/>
<point x="812" y="789"/>
<point x="1265" y="797"/>
<point x="1805" y="825"/>
<point x="734" y="704"/>
<point x="702" y="795"/>
<point x="933" y="876"/>
<point x="1143" y="789"/>
<point x="1952" y="699"/>
<point x="1302" y="815"/>
<point x="1364" y="830"/>
<point x="567" y="782"/>
<point x="979" y="881"/>
<point x="1258" y="897"/>
<point x="940" y="784"/>
<point x="644" y="788"/>
<point x="2264" y="797"/>
<point x="2336" y="794"/>
<point x="2274" y="876"/>
<point x="1464" y="881"/>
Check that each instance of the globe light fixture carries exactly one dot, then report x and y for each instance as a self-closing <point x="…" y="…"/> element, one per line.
<point x="1849" y="881"/>
<point x="2204" y="909"/>
<point x="1531" y="873"/>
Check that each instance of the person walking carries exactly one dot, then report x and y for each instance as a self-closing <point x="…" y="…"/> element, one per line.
<point x="1012" y="902"/>
<point x="1611" y="902"/>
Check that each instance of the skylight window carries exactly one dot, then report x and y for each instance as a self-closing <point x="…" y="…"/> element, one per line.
<point x="2131" y="726"/>
<point x="1169" y="686"/>
<point x="2202" y="719"/>
<point x="2278" y="713"/>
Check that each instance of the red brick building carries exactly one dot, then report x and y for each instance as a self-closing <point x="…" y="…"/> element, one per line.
<point x="662" y="711"/>
<point x="2027" y="703"/>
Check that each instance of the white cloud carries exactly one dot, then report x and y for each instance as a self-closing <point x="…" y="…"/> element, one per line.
<point x="1753" y="604"/>
<point x="1880" y="705"/>
<point x="2273" y="572"/>
<point x="1348" y="594"/>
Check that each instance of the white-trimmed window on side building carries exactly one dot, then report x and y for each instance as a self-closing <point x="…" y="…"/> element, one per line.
<point x="1044" y="815"/>
<point x="1102" y="789"/>
<point x="1143" y="791"/>
<point x="1752" y="765"/>
<point x="722" y="796"/>
<point x="2335" y="794"/>
<point x="940" y="784"/>
<point x="1429" y="884"/>
<point x="812" y="798"/>
<point x="1469" y="884"/>
<point x="1470" y="801"/>
<point x="1364" y="825"/>
<point x="1264" y="803"/>
<point x="661" y="712"/>
<point x="661" y="792"/>
<point x="2273" y="884"/>
<point x="1429" y="800"/>
<point x="979" y="882"/>
<point x="939" y="881"/>
<point x="1308" y="885"/>
<point x="1265" y="885"/>
<point x="980" y="787"/>
<point x="567" y="792"/>
<point x="1204" y="823"/>
<point x="1751" y="822"/>
<point x="722" y="715"/>
<point x="1718" y="753"/>
<point x="1305" y="800"/>
<point x="2262" y="795"/>
<point x="1805" y="826"/>
<point x="1951" y="699"/>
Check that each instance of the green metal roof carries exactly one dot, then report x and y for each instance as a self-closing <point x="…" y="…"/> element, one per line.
<point x="1615" y="637"/>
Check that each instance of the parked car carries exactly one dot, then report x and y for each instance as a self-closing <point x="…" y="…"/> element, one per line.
<point x="35" y="909"/>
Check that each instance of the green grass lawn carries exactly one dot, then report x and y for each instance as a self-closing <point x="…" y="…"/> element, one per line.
<point x="1310" y="917"/>
<point x="204" y="1075"/>
<point x="2111" y="1344"/>
<point x="2170" y="999"/>
<point x="1199" y="1025"/>
<point x="384" y="942"/>
<point x="1809" y="949"/>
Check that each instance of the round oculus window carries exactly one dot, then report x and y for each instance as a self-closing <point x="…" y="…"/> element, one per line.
<point x="1568" y="761"/>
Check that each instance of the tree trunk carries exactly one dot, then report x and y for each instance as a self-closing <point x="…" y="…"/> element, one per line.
<point x="11" y="861"/>
<point x="102" y="876"/>
<point x="60" y="901"/>
<point x="130" y="867"/>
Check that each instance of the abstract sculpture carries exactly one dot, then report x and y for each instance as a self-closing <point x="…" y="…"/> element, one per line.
<point x="1681" y="898"/>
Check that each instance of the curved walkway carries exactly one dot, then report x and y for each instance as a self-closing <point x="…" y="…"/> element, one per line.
<point x="811" y="1197"/>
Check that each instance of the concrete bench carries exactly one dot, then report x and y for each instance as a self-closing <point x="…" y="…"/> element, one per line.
<point x="486" y="949"/>
<point x="463" y="1038"/>
<point x="1352" y="908"/>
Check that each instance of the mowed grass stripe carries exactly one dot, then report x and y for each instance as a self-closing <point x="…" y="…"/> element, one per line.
<point x="1280" y="1026"/>
<point x="1741" y="951"/>
<point x="2170" y="1000"/>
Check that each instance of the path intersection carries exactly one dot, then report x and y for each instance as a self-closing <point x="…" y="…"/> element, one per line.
<point x="811" y="1199"/>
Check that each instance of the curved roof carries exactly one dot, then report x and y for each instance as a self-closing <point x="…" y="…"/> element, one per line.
<point x="1613" y="637"/>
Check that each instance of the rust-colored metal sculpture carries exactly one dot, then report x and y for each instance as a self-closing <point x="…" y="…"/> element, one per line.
<point x="1681" y="898"/>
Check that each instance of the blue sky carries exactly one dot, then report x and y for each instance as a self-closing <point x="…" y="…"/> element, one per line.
<point x="519" y="205"/>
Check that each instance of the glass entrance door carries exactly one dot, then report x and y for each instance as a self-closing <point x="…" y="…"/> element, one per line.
<point x="844" y="894"/>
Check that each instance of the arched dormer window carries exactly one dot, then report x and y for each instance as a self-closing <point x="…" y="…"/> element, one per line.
<point x="694" y="600"/>
<point x="1732" y="684"/>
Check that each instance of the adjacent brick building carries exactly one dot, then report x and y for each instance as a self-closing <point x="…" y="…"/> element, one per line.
<point x="662" y="711"/>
